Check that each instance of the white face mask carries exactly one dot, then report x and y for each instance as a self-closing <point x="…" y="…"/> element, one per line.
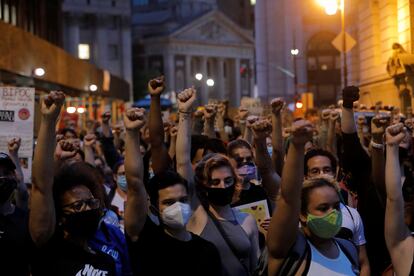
<point x="177" y="215"/>
<point x="228" y="130"/>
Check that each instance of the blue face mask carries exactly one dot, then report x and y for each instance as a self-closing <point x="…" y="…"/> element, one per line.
<point x="122" y="183"/>
<point x="270" y="150"/>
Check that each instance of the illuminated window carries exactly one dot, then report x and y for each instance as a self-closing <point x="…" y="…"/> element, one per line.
<point x="83" y="51"/>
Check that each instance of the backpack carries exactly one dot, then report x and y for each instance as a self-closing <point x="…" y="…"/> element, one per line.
<point x="299" y="251"/>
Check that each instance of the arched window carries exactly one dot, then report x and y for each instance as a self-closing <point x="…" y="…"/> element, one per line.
<point x="324" y="68"/>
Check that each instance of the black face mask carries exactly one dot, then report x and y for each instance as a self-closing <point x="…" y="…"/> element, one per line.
<point x="220" y="196"/>
<point x="7" y="187"/>
<point x="83" y="224"/>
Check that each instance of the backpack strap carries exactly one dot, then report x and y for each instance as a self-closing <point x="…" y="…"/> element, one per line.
<point x="351" y="252"/>
<point x="296" y="256"/>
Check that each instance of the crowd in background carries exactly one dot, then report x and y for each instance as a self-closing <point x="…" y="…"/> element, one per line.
<point x="154" y="196"/>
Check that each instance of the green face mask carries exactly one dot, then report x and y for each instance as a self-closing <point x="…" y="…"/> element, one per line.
<point x="327" y="226"/>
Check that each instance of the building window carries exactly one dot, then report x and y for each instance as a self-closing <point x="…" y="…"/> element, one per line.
<point x="84" y="51"/>
<point x="113" y="51"/>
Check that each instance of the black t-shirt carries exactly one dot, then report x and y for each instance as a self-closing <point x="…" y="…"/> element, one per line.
<point x="156" y="253"/>
<point x="15" y="243"/>
<point x="62" y="258"/>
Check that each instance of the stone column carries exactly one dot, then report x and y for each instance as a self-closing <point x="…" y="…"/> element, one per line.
<point x="251" y="77"/>
<point x="169" y="71"/>
<point x="127" y="54"/>
<point x="237" y="83"/>
<point x="101" y="46"/>
<point x="220" y="92"/>
<point x="72" y="42"/>
<point x="188" y="72"/>
<point x="203" y="89"/>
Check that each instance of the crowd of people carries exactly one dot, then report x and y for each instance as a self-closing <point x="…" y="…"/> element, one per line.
<point x="160" y="197"/>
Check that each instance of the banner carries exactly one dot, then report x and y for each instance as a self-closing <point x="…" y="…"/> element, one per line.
<point x="16" y="120"/>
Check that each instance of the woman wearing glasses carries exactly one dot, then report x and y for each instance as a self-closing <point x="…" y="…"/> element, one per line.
<point x="66" y="212"/>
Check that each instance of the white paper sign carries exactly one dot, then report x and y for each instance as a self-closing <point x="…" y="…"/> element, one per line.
<point x="16" y="120"/>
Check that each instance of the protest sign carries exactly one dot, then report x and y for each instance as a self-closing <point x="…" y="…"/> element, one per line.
<point x="16" y="120"/>
<point x="259" y="210"/>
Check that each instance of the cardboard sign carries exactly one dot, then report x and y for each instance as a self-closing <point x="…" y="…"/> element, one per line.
<point x="16" y="120"/>
<point x="259" y="210"/>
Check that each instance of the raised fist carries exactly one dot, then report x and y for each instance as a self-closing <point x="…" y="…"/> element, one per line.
<point x="221" y="109"/>
<point x="277" y="104"/>
<point x="251" y="120"/>
<point x="156" y="86"/>
<point x="89" y="140"/>
<point x="350" y="94"/>
<point x="209" y="112"/>
<point x="334" y="116"/>
<point x="261" y="129"/>
<point x="52" y="104"/>
<point x="378" y="125"/>
<point x="173" y="131"/>
<point x="395" y="134"/>
<point x="134" y="118"/>
<point x="106" y="117"/>
<point x="65" y="149"/>
<point x="326" y="114"/>
<point x="243" y="113"/>
<point x="302" y="132"/>
<point x="186" y="100"/>
<point x="409" y="123"/>
<point x="14" y="145"/>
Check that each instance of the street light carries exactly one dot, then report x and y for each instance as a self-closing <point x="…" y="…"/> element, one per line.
<point x="331" y="7"/>
<point x="39" y="72"/>
<point x="295" y="52"/>
<point x="93" y="87"/>
<point x="210" y="82"/>
<point x="199" y="76"/>
<point x="71" y="109"/>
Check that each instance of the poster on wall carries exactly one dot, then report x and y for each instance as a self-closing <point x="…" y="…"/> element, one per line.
<point x="16" y="120"/>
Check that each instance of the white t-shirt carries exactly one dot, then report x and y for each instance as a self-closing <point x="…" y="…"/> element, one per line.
<point x="119" y="202"/>
<point x="321" y="265"/>
<point x="353" y="223"/>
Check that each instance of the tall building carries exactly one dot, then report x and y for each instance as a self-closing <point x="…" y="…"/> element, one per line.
<point x="193" y="42"/>
<point x="99" y="31"/>
<point x="30" y="56"/>
<point x="304" y="25"/>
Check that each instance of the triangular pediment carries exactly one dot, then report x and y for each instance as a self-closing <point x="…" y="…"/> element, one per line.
<point x="214" y="27"/>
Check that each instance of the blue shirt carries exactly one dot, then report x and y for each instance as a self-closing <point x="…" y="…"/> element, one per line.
<point x="111" y="241"/>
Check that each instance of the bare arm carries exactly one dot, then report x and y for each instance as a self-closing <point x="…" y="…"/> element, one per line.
<point x="186" y="100"/>
<point x="221" y="110"/>
<point x="209" y="117"/>
<point x="89" y="142"/>
<point x="395" y="229"/>
<point x="42" y="219"/>
<point x="363" y="261"/>
<point x="350" y="95"/>
<point x="270" y="179"/>
<point x="281" y="239"/>
<point x="22" y="197"/>
<point x="136" y="205"/>
<point x="331" y="140"/>
<point x="159" y="153"/>
<point x="173" y="142"/>
<point x="277" y="135"/>
<point x="248" y="133"/>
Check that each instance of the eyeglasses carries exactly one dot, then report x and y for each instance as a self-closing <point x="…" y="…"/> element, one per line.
<point x="80" y="205"/>
<point x="228" y="181"/>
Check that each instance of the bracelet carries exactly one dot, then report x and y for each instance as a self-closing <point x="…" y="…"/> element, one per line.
<point x="376" y="145"/>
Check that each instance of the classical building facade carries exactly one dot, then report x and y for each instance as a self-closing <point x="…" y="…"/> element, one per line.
<point x="100" y="31"/>
<point x="374" y="24"/>
<point x="195" y="37"/>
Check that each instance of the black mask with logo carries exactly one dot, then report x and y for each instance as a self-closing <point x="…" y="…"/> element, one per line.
<point x="83" y="224"/>
<point x="7" y="187"/>
<point x="220" y="196"/>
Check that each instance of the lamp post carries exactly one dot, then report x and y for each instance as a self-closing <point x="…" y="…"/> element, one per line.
<point x="331" y="8"/>
<point x="295" y="53"/>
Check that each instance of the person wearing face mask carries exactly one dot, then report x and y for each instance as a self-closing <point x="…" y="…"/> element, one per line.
<point x="320" y="163"/>
<point x="65" y="220"/>
<point x="254" y="187"/>
<point x="234" y="234"/>
<point x="167" y="248"/>
<point x="120" y="195"/>
<point x="316" y="204"/>
<point x="14" y="235"/>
